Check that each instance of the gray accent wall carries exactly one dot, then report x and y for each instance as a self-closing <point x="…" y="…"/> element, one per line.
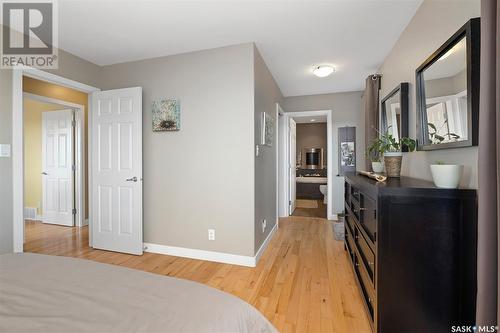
<point x="425" y="33"/>
<point x="266" y="95"/>
<point x="201" y="177"/>
<point x="6" y="226"/>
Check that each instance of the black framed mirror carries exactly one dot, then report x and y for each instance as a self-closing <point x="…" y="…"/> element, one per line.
<point x="394" y="113"/>
<point x="447" y="85"/>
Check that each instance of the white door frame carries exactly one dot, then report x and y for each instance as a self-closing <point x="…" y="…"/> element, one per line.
<point x="279" y="114"/>
<point x="282" y="159"/>
<point x="79" y="145"/>
<point x="18" y="140"/>
<point x="284" y="198"/>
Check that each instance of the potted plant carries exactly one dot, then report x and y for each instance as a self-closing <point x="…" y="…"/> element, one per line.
<point x="393" y="155"/>
<point x="446" y="175"/>
<point x="375" y="153"/>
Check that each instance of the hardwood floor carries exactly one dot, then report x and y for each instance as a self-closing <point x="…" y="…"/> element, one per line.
<point x="320" y="211"/>
<point x="303" y="282"/>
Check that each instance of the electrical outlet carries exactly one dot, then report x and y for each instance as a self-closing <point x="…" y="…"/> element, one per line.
<point x="4" y="150"/>
<point x="264" y="225"/>
<point x="211" y="234"/>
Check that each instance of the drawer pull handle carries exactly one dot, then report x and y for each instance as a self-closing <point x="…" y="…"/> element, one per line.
<point x="357" y="210"/>
<point x="371" y="263"/>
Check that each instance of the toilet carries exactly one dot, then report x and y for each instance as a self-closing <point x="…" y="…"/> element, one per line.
<point x="324" y="190"/>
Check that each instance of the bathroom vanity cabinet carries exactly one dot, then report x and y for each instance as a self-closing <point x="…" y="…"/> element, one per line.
<point x="412" y="248"/>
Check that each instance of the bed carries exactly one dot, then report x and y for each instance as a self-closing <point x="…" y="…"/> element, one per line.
<point x="40" y="293"/>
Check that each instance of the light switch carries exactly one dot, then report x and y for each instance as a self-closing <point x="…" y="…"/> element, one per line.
<point x="4" y="150"/>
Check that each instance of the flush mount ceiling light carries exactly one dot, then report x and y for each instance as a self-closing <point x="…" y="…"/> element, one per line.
<point x="313" y="119"/>
<point x="323" y="70"/>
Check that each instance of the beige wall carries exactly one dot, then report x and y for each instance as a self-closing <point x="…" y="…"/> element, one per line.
<point x="32" y="119"/>
<point x="188" y="187"/>
<point x="346" y="108"/>
<point x="266" y="95"/>
<point x="428" y="30"/>
<point x="311" y="136"/>
<point x="202" y="176"/>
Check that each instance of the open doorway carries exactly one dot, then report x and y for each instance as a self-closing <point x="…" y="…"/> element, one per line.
<point x="309" y="146"/>
<point x="113" y="201"/>
<point x="55" y="172"/>
<point x="304" y="158"/>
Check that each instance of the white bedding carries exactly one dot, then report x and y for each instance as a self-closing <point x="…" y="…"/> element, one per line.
<point x="40" y="293"/>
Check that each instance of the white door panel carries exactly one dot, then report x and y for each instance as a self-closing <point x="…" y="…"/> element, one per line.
<point x="293" y="165"/>
<point x="117" y="170"/>
<point x="57" y="172"/>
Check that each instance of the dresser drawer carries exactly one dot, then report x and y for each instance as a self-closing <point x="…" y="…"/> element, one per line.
<point x="366" y="287"/>
<point x="368" y="216"/>
<point x="349" y="220"/>
<point x="368" y="257"/>
<point x="349" y="241"/>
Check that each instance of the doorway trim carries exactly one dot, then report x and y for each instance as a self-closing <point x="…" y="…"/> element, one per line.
<point x="18" y="139"/>
<point x="79" y="145"/>
<point x="284" y="198"/>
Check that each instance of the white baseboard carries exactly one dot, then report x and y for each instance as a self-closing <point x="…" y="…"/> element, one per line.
<point x="264" y="245"/>
<point x="226" y="258"/>
<point x="333" y="217"/>
<point x="38" y="218"/>
<point x="85" y="222"/>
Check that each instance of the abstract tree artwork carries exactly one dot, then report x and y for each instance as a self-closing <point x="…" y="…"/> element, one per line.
<point x="166" y="115"/>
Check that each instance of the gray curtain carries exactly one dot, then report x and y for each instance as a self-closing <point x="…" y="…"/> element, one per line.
<point x="371" y="106"/>
<point x="489" y="167"/>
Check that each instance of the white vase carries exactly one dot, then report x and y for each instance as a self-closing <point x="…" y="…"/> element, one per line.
<point x="446" y="175"/>
<point x="377" y="167"/>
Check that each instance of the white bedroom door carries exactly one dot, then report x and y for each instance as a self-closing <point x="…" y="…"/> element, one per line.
<point x="293" y="165"/>
<point x="57" y="167"/>
<point x="116" y="178"/>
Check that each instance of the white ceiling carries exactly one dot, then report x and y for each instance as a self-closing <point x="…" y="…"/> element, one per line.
<point x="354" y="36"/>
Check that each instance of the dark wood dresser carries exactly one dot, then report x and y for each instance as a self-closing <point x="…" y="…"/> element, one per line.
<point x="413" y="250"/>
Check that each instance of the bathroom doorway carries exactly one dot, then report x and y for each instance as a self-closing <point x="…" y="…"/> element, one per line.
<point x="304" y="159"/>
<point x="311" y="182"/>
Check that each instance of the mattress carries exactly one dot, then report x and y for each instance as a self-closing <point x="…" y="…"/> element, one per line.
<point x="40" y="293"/>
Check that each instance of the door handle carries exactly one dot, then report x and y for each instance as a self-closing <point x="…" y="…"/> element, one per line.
<point x="133" y="179"/>
<point x="44" y="173"/>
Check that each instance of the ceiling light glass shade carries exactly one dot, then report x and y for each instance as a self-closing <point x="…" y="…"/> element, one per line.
<point x="323" y="71"/>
